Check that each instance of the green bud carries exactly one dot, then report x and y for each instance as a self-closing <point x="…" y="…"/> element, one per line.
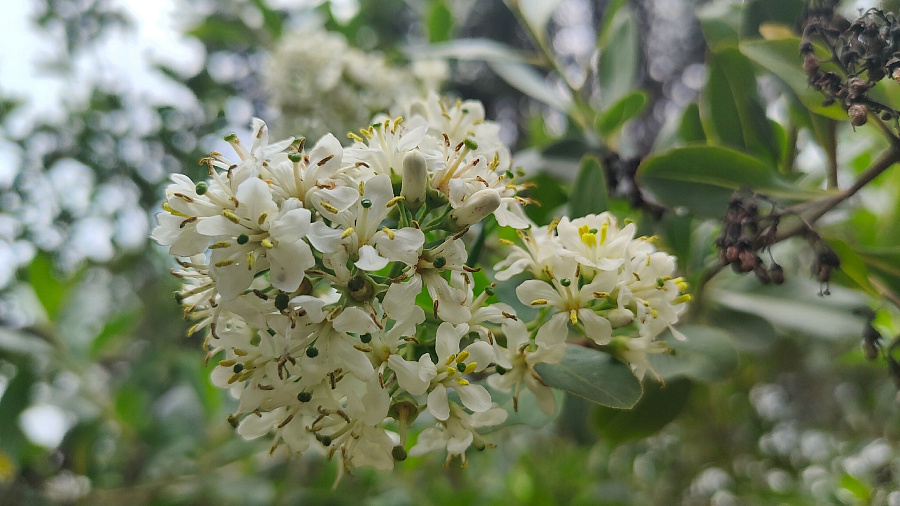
<point x="201" y="188"/>
<point x="281" y="301"/>
<point x="366" y="203"/>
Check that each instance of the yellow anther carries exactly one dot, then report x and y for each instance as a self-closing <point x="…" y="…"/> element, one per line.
<point x="645" y="303"/>
<point x="463" y="355"/>
<point x="522" y="200"/>
<point x="451" y="371"/>
<point x="396" y="124"/>
<point x="328" y="207"/>
<point x="589" y="240"/>
<point x="393" y="201"/>
<point x="231" y="216"/>
<point x="250" y="260"/>
<point x="635" y="275"/>
<point x="227" y="363"/>
<point x="266" y="243"/>
<point x="354" y="137"/>
<point x="552" y="226"/>
<point x="511" y="187"/>
<point x="584" y="229"/>
<point x="603" y="230"/>
<point x="166" y="207"/>
<point x="367" y="132"/>
<point x="462" y="381"/>
<point x="224" y="263"/>
<point x="220" y="244"/>
<point x="470" y="368"/>
<point x="682" y="298"/>
<point x="389" y="232"/>
<point x="450" y="359"/>
<point x="239" y="352"/>
<point x="347" y="233"/>
<point x="655" y="313"/>
<point x="495" y="162"/>
<point x="539" y="302"/>
<point x="601" y="295"/>
<point x="573" y="316"/>
<point x="682" y="286"/>
<point x="262" y="218"/>
<point x="234" y="377"/>
<point x="506" y="242"/>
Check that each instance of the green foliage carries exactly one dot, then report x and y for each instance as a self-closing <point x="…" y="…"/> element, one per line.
<point x="594" y="376"/>
<point x="659" y="405"/>
<point x="706" y="354"/>
<point x="589" y="193"/>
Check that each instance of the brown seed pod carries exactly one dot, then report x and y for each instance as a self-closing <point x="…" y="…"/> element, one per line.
<point x="859" y="114"/>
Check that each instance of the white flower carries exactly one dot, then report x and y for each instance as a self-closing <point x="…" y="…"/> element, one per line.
<point x="457" y="432"/>
<point x="573" y="303"/>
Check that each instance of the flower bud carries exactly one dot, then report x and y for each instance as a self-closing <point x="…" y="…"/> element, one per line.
<point x="858" y="114"/>
<point x="620" y="317"/>
<point x="477" y="207"/>
<point x="415" y="176"/>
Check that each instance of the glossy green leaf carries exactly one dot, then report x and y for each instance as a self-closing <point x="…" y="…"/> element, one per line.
<point x="690" y="129"/>
<point x="50" y="289"/>
<point x="114" y="331"/>
<point x="750" y="332"/>
<point x="16" y="397"/>
<point x="594" y="376"/>
<point x="707" y="354"/>
<point x="659" y="405"/>
<point x="703" y="178"/>
<point x="782" y="58"/>
<point x="731" y="109"/>
<point x="618" y="113"/>
<point x="619" y="57"/>
<point x="589" y="193"/>
<point x="526" y="79"/>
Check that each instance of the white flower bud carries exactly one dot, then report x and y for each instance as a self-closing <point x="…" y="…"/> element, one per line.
<point x="412" y="188"/>
<point x="620" y="317"/>
<point x="476" y="208"/>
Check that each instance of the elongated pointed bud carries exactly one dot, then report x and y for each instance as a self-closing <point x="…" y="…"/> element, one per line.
<point x="415" y="176"/>
<point x="476" y="208"/>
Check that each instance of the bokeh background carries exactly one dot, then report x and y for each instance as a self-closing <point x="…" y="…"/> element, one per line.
<point x="103" y="400"/>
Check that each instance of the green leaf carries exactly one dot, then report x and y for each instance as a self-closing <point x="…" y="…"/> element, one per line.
<point x="526" y="79"/>
<point x="115" y="329"/>
<point x="691" y="127"/>
<point x="50" y="289"/>
<point x="794" y="305"/>
<point x="619" y="57"/>
<point x="783" y="12"/>
<point x="750" y="332"/>
<point x="528" y="412"/>
<point x="782" y="58"/>
<point x="468" y="49"/>
<point x="16" y="397"/>
<point x="853" y="269"/>
<point x="659" y="405"/>
<point x="731" y="109"/>
<point x="703" y="178"/>
<point x="537" y="13"/>
<point x="720" y="23"/>
<point x="594" y="376"/>
<point x="590" y="193"/>
<point x="623" y="110"/>
<point x="439" y="22"/>
<point x="706" y="355"/>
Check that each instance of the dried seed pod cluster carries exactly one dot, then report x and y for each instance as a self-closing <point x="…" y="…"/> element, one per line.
<point x="862" y="53"/>
<point x="745" y="233"/>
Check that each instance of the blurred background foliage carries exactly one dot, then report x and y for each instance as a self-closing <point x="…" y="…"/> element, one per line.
<point x="606" y="103"/>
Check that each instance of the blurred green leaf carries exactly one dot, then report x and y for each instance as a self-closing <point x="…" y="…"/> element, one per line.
<point x="783" y="12"/>
<point x="691" y="127"/>
<point x="782" y="58"/>
<point x="218" y="31"/>
<point x="113" y="332"/>
<point x="731" y="109"/>
<point x="528" y="413"/>
<point x="469" y="49"/>
<point x="550" y="193"/>
<point x="439" y="22"/>
<point x="593" y="375"/>
<point x="526" y="79"/>
<point x="537" y="13"/>
<point x="853" y="268"/>
<point x="18" y="342"/>
<point x="659" y="405"/>
<point x="750" y="332"/>
<point x="50" y="289"/>
<point x="795" y="305"/>
<point x="609" y="15"/>
<point x="703" y="178"/>
<point x="272" y="19"/>
<point x="619" y="57"/>
<point x="627" y="107"/>
<point x="707" y="354"/>
<point x="589" y="193"/>
<point x="16" y="397"/>
<point x="721" y="24"/>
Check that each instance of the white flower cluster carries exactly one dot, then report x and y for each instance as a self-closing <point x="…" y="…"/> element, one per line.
<point x="336" y="290"/>
<point x="592" y="275"/>
<point x="319" y="83"/>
